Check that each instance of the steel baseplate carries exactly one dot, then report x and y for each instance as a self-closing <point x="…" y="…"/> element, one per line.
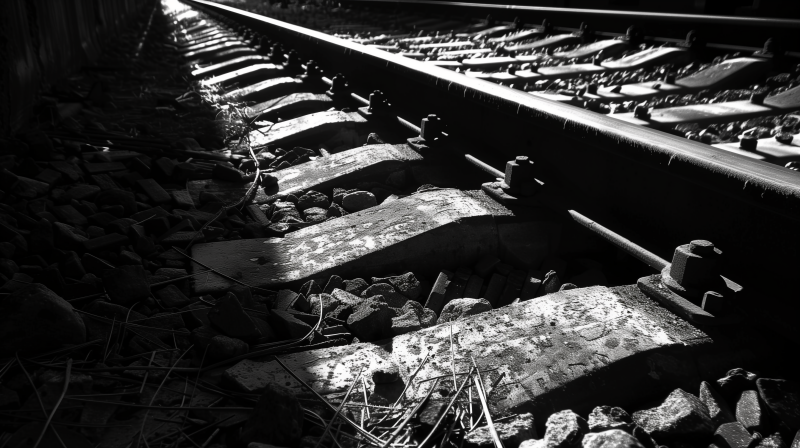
<point x="499" y="191"/>
<point x="654" y="287"/>
<point x="421" y="145"/>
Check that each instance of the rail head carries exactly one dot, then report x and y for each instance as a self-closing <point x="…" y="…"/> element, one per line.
<point x="756" y="182"/>
<point x="774" y="22"/>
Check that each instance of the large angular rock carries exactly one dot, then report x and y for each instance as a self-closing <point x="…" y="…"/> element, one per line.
<point x="613" y="438"/>
<point x="126" y="285"/>
<point x="718" y="408"/>
<point x="732" y="435"/>
<point x="405" y="323"/>
<point x="34" y="319"/>
<point x="277" y="419"/>
<point x="406" y="284"/>
<point x="172" y="297"/>
<point x="512" y="433"/>
<point x="783" y="398"/>
<point x="736" y="381"/>
<point x="371" y="320"/>
<point x="565" y="429"/>
<point x="355" y="286"/>
<point x="680" y="416"/>
<point x="115" y="196"/>
<point x="751" y="413"/>
<point x="312" y="199"/>
<point x="461" y="308"/>
<point x="222" y="347"/>
<point x="605" y="418"/>
<point x="393" y="298"/>
<point x="229" y="317"/>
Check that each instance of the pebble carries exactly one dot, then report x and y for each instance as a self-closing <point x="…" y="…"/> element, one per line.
<point x="313" y="199"/>
<point x="355" y="286"/>
<point x="612" y="438"/>
<point x="34" y="319"/>
<point x="681" y="415"/>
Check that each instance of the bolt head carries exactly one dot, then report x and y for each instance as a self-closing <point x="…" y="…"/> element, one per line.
<point x="701" y="247"/>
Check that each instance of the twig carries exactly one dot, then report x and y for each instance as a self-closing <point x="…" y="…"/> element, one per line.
<point x="339" y="409"/>
<point x="355" y="426"/>
<point x="155" y="394"/>
<point x="408" y="417"/>
<point x="38" y="397"/>
<point x="55" y="407"/>
<point x="481" y="395"/>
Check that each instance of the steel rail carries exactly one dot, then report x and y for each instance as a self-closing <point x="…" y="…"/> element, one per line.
<point x="616" y="14"/>
<point x="751" y="181"/>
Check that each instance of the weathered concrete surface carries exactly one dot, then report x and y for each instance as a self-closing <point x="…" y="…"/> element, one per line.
<point x="568" y="350"/>
<point x="244" y="74"/>
<point x="267" y="89"/>
<point x="304" y="127"/>
<point x="321" y="174"/>
<point x="291" y="104"/>
<point x="224" y="67"/>
<point x="423" y="232"/>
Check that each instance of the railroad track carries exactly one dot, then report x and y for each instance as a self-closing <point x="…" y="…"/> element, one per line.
<point x="401" y="229"/>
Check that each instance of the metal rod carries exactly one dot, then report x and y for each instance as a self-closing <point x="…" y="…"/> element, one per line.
<point x="633" y="249"/>
<point x="483" y="166"/>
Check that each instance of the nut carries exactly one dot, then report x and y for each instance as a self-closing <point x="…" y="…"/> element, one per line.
<point x="431" y="128"/>
<point x="694" y="264"/>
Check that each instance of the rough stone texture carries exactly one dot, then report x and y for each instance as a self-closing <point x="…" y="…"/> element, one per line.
<point x="427" y="318"/>
<point x="405" y="323"/>
<point x="223" y="347"/>
<point x="371" y="320"/>
<point x="277" y="419"/>
<point x="581" y="338"/>
<point x="613" y="438"/>
<point x="783" y="398"/>
<point x="461" y="308"/>
<point x="34" y="319"/>
<point x="511" y="433"/>
<point x="718" y="408"/>
<point x="604" y="418"/>
<point x="565" y="429"/>
<point x="126" y="285"/>
<point x="228" y="317"/>
<point x="355" y="286"/>
<point x="393" y="298"/>
<point x="334" y="282"/>
<point x="324" y="303"/>
<point x="312" y="199"/>
<point x="796" y="441"/>
<point x="358" y="200"/>
<point x="533" y="443"/>
<point x="406" y="284"/>
<point x="172" y="297"/>
<point x="680" y="416"/>
<point x="288" y="326"/>
<point x="773" y="441"/>
<point x="315" y="214"/>
<point x="750" y="412"/>
<point x="732" y="435"/>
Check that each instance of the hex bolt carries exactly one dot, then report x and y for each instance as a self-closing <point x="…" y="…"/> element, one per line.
<point x="276" y="55"/>
<point x="312" y="69"/>
<point x="377" y="100"/>
<point x="264" y="45"/>
<point x="769" y="46"/>
<point x="293" y="60"/>
<point x="694" y="264"/>
<point x="641" y="112"/>
<point x="592" y="88"/>
<point x="713" y="303"/>
<point x="785" y="138"/>
<point x="748" y="143"/>
<point x="431" y="127"/>
<point x="702" y="247"/>
<point x="519" y="176"/>
<point x="338" y="83"/>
